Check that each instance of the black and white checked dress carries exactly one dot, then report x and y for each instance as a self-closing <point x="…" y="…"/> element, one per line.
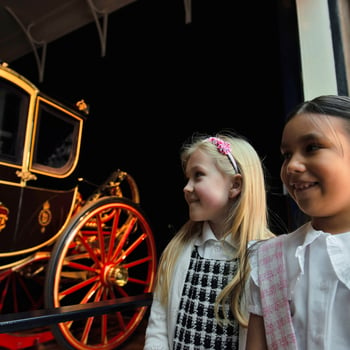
<point x="196" y="326"/>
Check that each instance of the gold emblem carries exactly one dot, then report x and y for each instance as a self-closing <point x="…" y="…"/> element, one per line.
<point x="4" y="215"/>
<point x="45" y="216"/>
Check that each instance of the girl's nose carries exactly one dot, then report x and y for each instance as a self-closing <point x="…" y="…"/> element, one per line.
<point x="295" y="165"/>
<point x="188" y="187"/>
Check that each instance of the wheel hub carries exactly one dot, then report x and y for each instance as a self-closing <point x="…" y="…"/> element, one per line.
<point x="116" y="275"/>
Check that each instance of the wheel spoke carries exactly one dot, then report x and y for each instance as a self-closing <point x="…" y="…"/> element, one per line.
<point x="100" y="238"/>
<point x="138" y="262"/>
<point x="124" y="238"/>
<point x="89" y="249"/>
<point x="132" y="248"/>
<point x="113" y="235"/>
<point x="77" y="287"/>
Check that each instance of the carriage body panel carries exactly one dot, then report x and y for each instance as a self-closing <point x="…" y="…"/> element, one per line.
<point x="39" y="150"/>
<point x="32" y="217"/>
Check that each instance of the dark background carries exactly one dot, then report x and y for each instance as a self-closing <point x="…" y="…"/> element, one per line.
<point x="160" y="81"/>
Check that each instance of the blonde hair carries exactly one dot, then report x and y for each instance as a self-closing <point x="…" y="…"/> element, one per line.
<point x="247" y="219"/>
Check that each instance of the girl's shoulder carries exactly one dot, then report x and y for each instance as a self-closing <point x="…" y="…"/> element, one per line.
<point x="282" y="245"/>
<point x="294" y="238"/>
<point x="297" y="237"/>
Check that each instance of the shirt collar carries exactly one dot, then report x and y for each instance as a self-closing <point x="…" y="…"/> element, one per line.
<point x="208" y="234"/>
<point x="338" y="250"/>
<point x="310" y="237"/>
<point x="338" y="247"/>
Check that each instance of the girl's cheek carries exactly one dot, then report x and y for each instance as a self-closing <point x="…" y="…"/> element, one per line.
<point x="282" y="173"/>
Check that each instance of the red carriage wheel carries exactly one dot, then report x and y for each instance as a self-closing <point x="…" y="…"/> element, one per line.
<point x="106" y="252"/>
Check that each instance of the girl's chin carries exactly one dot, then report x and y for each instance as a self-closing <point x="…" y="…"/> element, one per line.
<point x="196" y="218"/>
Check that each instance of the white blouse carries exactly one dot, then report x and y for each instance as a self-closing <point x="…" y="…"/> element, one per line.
<point x="318" y="271"/>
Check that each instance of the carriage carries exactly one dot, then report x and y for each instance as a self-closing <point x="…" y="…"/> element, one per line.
<point x="64" y="241"/>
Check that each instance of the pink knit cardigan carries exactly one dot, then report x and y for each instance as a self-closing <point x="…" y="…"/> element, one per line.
<point x="274" y="297"/>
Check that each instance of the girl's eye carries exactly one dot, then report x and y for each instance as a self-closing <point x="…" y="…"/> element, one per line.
<point x="285" y="155"/>
<point x="309" y="148"/>
<point x="198" y="174"/>
<point x="312" y="147"/>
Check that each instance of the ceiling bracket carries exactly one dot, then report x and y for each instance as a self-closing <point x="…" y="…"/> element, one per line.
<point x="35" y="45"/>
<point x="188" y="11"/>
<point x="102" y="31"/>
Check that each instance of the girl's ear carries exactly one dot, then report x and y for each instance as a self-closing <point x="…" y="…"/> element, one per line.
<point x="236" y="186"/>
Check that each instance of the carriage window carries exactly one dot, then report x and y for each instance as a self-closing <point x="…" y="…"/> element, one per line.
<point x="14" y="104"/>
<point x="56" y="140"/>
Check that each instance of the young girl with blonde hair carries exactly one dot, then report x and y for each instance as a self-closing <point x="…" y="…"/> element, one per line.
<point x="199" y="299"/>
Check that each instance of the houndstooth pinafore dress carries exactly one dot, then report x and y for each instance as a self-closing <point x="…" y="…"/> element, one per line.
<point x="196" y="326"/>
